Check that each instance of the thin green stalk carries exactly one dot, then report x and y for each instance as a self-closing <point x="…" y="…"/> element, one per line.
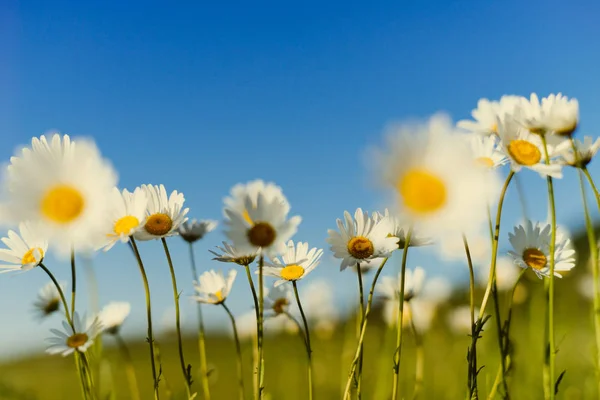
<point x="260" y="326"/>
<point x="382" y="386"/>
<point x="472" y="353"/>
<point x="307" y="337"/>
<point x="73" y="282"/>
<point x="201" y="335"/>
<point x="359" y="322"/>
<point x="594" y="188"/>
<point x="88" y="375"/>
<point x="129" y="369"/>
<point x="398" y="352"/>
<point x="551" y="338"/>
<point x="256" y="361"/>
<point x="60" y="292"/>
<point x="238" y="350"/>
<point x="419" y="356"/>
<point x="363" y="329"/>
<point x="298" y="325"/>
<point x="150" y="337"/>
<point x="185" y="368"/>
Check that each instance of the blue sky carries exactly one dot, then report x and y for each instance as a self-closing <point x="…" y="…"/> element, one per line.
<point x="203" y="97"/>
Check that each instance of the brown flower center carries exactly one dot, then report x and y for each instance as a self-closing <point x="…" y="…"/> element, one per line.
<point x="77" y="340"/>
<point x="280" y="304"/>
<point x="158" y="224"/>
<point x="262" y="234"/>
<point x="534" y="258"/>
<point x="360" y="247"/>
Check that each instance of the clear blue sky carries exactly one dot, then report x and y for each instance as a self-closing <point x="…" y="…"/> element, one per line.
<point x="202" y="97"/>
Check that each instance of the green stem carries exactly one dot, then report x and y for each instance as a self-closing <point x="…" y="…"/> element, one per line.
<point x="363" y="329"/>
<point x="260" y="327"/>
<point x="129" y="369"/>
<point x="185" y="369"/>
<point x="594" y="188"/>
<point x="150" y="338"/>
<point x="419" y="357"/>
<point x="300" y="328"/>
<point x="398" y="353"/>
<point x="238" y="350"/>
<point x="73" y="282"/>
<point x="257" y="312"/>
<point x="472" y="353"/>
<point x="359" y="322"/>
<point x="201" y="334"/>
<point x="308" y="347"/>
<point x="552" y="342"/>
<point x="60" y="292"/>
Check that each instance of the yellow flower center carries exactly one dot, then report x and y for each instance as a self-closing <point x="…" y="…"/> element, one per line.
<point x="62" y="204"/>
<point x="534" y="258"/>
<point x="494" y="128"/>
<point x="124" y="225"/>
<point x="422" y="191"/>
<point x="219" y="295"/>
<point x="77" y="340"/>
<point x="262" y="234"/>
<point x="360" y="247"/>
<point x="292" y="272"/>
<point x="524" y="152"/>
<point x="158" y="224"/>
<point x="29" y="257"/>
<point x="280" y="304"/>
<point x="485" y="161"/>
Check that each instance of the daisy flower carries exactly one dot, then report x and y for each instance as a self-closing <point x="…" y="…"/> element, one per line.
<point x="212" y="287"/>
<point x="459" y="319"/>
<point x="319" y="307"/>
<point x="236" y="201"/>
<point x="586" y="150"/>
<point x="164" y="214"/>
<point x="79" y="339"/>
<point x="195" y="230"/>
<point x="531" y="245"/>
<point x="485" y="151"/>
<point x="277" y="300"/>
<point x="431" y="172"/>
<point x="231" y="254"/>
<point x="65" y="186"/>
<point x="399" y="230"/>
<point x="113" y="315"/>
<point x="361" y="238"/>
<point x="507" y="273"/>
<point x="48" y="300"/>
<point x="295" y="264"/>
<point x="556" y="114"/>
<point x="25" y="249"/>
<point x="486" y="115"/>
<point x="390" y="287"/>
<point x="265" y="228"/>
<point x="128" y="215"/>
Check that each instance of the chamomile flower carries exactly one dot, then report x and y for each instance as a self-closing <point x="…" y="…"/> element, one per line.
<point x="113" y="315"/>
<point x="485" y="151"/>
<point x="486" y="115"/>
<point x="526" y="150"/>
<point x="459" y="320"/>
<point x="531" y="249"/>
<point x="319" y="306"/>
<point x="431" y="172"/>
<point x="63" y="186"/>
<point x="297" y="262"/>
<point x="196" y="230"/>
<point x="236" y="201"/>
<point x="399" y="230"/>
<point x="212" y="287"/>
<point x="554" y="114"/>
<point x="361" y="238"/>
<point x="79" y="339"/>
<point x="164" y="214"/>
<point x="25" y="249"/>
<point x="586" y="150"/>
<point x="390" y="286"/>
<point x="231" y="254"/>
<point x="266" y="226"/>
<point x="277" y="300"/>
<point x="128" y="215"/>
<point x="506" y="273"/>
<point x="48" y="300"/>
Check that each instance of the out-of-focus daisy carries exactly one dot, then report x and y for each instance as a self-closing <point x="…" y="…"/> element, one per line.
<point x="531" y="244"/>
<point x="486" y="115"/>
<point x="246" y="325"/>
<point x="586" y="150"/>
<point x="266" y="226"/>
<point x="164" y="214"/>
<point x="236" y="201"/>
<point x="25" y="249"/>
<point x="526" y="150"/>
<point x="297" y="262"/>
<point x="585" y="286"/>
<point x="560" y="114"/>
<point x="361" y="238"/>
<point x="64" y="187"/>
<point x="390" y="286"/>
<point x="212" y="287"/>
<point x="195" y="230"/>
<point x="459" y="319"/>
<point x="48" y="300"/>
<point x="506" y="273"/>
<point x="399" y="230"/>
<point x="71" y="340"/>
<point x="113" y="315"/>
<point x="485" y="151"/>
<point x="231" y="254"/>
<point x="452" y="247"/>
<point x="128" y="215"/>
<point x="277" y="300"/>
<point x="432" y="174"/>
<point x="319" y="305"/>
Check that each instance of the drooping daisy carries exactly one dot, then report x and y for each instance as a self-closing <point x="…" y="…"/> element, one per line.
<point x="531" y="245"/>
<point x="399" y="230"/>
<point x="212" y="287"/>
<point x="277" y="300"/>
<point x="25" y="249"/>
<point x="586" y="150"/>
<point x="164" y="214"/>
<point x="113" y="315"/>
<point x="236" y="201"/>
<point x="390" y="286"/>
<point x="79" y="339"/>
<point x="554" y="114"/>
<point x="231" y="254"/>
<point x="128" y="215"/>
<point x="361" y="238"/>
<point x="196" y="230"/>
<point x="506" y="273"/>
<point x="48" y="300"/>
<point x="526" y="150"/>
<point x="265" y="228"/>
<point x="431" y="171"/>
<point x="485" y="151"/>
<point x="295" y="264"/>
<point x="486" y="115"/>
<point x="65" y="186"/>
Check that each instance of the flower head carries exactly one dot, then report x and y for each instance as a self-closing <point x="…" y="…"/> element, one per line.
<point x="25" y="249"/>
<point x="231" y="254"/>
<point x="399" y="229"/>
<point x="164" y="214"/>
<point x="195" y="230"/>
<point x="48" y="300"/>
<point x="128" y="215"/>
<point x="113" y="315"/>
<point x="486" y="152"/>
<point x="213" y="288"/>
<point x="277" y="300"/>
<point x="486" y="115"/>
<point x="390" y="287"/>
<point x="295" y="264"/>
<point x="270" y="191"/>
<point x="78" y="339"/>
<point x="586" y="150"/>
